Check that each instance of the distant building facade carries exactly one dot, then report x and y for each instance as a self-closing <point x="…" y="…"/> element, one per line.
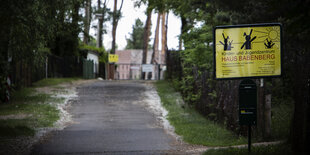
<point x="129" y="65"/>
<point x="94" y="56"/>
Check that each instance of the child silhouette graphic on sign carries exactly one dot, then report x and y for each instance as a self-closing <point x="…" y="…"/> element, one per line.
<point x="227" y="47"/>
<point x="248" y="40"/>
<point x="269" y="43"/>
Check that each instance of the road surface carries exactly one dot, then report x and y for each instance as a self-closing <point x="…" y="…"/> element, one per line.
<point x="110" y="117"/>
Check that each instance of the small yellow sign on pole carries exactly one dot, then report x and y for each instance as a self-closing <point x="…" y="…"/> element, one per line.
<point x="247" y="51"/>
<point x="113" y="58"/>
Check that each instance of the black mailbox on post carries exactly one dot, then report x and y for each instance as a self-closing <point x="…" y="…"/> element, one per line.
<point x="247" y="102"/>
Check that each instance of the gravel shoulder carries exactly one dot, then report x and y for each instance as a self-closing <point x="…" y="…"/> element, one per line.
<point x="72" y="118"/>
<point x="23" y="144"/>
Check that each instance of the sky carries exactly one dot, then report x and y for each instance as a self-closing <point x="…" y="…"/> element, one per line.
<point x="129" y="15"/>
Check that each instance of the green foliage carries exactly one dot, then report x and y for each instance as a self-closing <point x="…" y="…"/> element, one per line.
<point x="103" y="55"/>
<point x="197" y="57"/>
<point x="54" y="81"/>
<point x="279" y="149"/>
<point x="84" y="47"/>
<point x="30" y="110"/>
<point x="192" y="126"/>
<point x="13" y="128"/>
<point x="136" y="37"/>
<point x="281" y="120"/>
<point x="197" y="85"/>
<point x="157" y="5"/>
<point x="92" y="42"/>
<point x="32" y="29"/>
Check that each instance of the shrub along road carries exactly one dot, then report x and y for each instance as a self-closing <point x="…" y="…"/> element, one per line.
<point x="110" y="117"/>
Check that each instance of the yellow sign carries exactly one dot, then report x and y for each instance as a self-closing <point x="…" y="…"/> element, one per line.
<point x="247" y="51"/>
<point x="113" y="58"/>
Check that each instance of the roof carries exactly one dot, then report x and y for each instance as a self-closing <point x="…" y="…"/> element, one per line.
<point x="124" y="56"/>
<point x="132" y="56"/>
<point x="93" y="52"/>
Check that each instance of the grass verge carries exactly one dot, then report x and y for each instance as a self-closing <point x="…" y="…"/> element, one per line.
<point x="54" y="81"/>
<point x="193" y="127"/>
<point x="282" y="115"/>
<point x="280" y="149"/>
<point x="29" y="110"/>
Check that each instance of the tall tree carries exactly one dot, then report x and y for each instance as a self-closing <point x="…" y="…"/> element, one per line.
<point x="146" y="34"/>
<point x="155" y="54"/>
<point x="67" y="27"/>
<point x="101" y="14"/>
<point x="116" y="17"/>
<point x="136" y="37"/>
<point x="75" y="26"/>
<point x="99" y="25"/>
<point x="163" y="38"/>
<point x="158" y="5"/>
<point x="31" y="29"/>
<point x="87" y="21"/>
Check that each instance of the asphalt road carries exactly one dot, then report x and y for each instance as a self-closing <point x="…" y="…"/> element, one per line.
<point x="109" y="118"/>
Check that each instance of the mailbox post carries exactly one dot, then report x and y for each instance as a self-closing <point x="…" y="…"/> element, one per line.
<point x="248" y="106"/>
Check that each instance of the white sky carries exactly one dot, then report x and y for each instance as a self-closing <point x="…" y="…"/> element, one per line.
<point x="130" y="14"/>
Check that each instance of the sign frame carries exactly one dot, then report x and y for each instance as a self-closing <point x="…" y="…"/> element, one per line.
<point x="115" y="58"/>
<point x="244" y="26"/>
<point x="247" y="102"/>
<point x="147" y="68"/>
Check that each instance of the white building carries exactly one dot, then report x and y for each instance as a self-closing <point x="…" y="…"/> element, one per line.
<point x="94" y="56"/>
<point x="129" y="65"/>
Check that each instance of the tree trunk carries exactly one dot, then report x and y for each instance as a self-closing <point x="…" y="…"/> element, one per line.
<point x="163" y="38"/>
<point x="183" y="30"/>
<point x="166" y="35"/>
<point x="300" y="128"/>
<point x="267" y="115"/>
<point x="100" y="23"/>
<point x="116" y="16"/>
<point x="156" y="41"/>
<point x="99" y="41"/>
<point x="114" y="27"/>
<point x="87" y="21"/>
<point x="261" y="107"/>
<point x="154" y="59"/>
<point x="99" y="28"/>
<point x="75" y="25"/>
<point x="308" y="115"/>
<point x="146" y="38"/>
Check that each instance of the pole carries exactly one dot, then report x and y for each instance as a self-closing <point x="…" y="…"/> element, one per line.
<point x="249" y="139"/>
<point x="158" y="71"/>
<point x="46" y="67"/>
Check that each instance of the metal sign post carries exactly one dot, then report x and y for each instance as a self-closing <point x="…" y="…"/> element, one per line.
<point x="248" y="106"/>
<point x="247" y="51"/>
<point x="249" y="138"/>
<point x="243" y="51"/>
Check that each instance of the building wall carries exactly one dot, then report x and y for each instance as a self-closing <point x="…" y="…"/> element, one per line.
<point x="129" y="63"/>
<point x="95" y="57"/>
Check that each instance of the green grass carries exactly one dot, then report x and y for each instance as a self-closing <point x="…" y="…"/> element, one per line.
<point x="14" y="131"/>
<point x="38" y="114"/>
<point x="280" y="149"/>
<point x="193" y="127"/>
<point x="282" y="115"/>
<point x="53" y="81"/>
<point x="29" y="110"/>
<point x="29" y="95"/>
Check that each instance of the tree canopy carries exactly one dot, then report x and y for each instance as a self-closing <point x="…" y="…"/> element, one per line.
<point x="31" y="29"/>
<point x="135" y="40"/>
<point x="199" y="17"/>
